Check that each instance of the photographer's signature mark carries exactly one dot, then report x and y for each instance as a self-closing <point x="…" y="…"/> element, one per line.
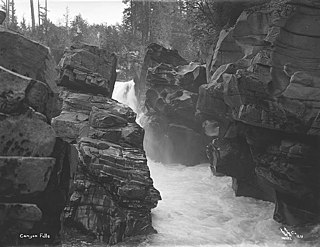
<point x="289" y="235"/>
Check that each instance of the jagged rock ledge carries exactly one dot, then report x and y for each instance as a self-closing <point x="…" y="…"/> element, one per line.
<point x="113" y="194"/>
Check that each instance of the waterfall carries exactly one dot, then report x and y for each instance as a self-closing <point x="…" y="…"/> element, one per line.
<point x="199" y="209"/>
<point x="124" y="93"/>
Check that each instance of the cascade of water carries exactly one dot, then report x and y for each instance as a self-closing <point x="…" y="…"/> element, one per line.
<point x="198" y="209"/>
<point x="124" y="93"/>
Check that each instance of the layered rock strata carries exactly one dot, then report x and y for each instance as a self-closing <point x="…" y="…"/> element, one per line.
<point x="113" y="193"/>
<point x="35" y="166"/>
<point x="168" y="90"/>
<point x="263" y="95"/>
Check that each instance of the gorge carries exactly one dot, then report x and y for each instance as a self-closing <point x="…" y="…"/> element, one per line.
<point x="185" y="154"/>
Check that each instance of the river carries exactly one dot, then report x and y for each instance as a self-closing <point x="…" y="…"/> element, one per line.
<point x="199" y="209"/>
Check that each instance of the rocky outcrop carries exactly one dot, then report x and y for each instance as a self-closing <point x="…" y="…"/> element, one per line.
<point x="168" y="89"/>
<point x="113" y="193"/>
<point x="35" y="166"/>
<point x="87" y="68"/>
<point x="263" y="95"/>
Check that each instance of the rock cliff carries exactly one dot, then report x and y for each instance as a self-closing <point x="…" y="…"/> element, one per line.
<point x="168" y="90"/>
<point x="113" y="192"/>
<point x="36" y="167"/>
<point x="262" y="92"/>
<point x="67" y="149"/>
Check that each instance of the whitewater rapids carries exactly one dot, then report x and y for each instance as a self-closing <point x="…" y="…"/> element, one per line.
<point x="199" y="209"/>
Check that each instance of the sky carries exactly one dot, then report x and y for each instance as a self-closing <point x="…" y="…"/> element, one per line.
<point x="95" y="11"/>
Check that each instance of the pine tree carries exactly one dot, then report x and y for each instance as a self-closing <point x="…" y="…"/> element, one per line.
<point x="23" y="25"/>
<point x="67" y="18"/>
<point x="13" y="18"/>
<point x="137" y="19"/>
<point x="161" y="23"/>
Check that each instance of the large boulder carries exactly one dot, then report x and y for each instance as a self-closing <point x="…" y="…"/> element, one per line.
<point x="27" y="57"/>
<point x="23" y="92"/>
<point x="22" y="175"/>
<point x="87" y="68"/>
<point x="26" y="135"/>
<point x="155" y="55"/>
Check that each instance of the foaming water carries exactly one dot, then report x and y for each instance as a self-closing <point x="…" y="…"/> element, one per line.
<point x="199" y="209"/>
<point x="124" y="93"/>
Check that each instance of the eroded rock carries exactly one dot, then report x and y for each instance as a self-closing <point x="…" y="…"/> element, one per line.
<point x="88" y="69"/>
<point x="113" y="191"/>
<point x="169" y="96"/>
<point x="264" y="96"/>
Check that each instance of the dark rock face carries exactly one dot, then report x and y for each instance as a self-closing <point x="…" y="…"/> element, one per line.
<point x="262" y="91"/>
<point x="168" y="88"/>
<point x="34" y="176"/>
<point x="88" y="69"/>
<point x="23" y="92"/>
<point x="113" y="192"/>
<point x="35" y="59"/>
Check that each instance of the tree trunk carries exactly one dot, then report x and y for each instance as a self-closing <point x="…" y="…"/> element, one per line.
<point x="46" y="18"/>
<point x="13" y="16"/>
<point x="32" y="17"/>
<point x="8" y="13"/>
<point x="146" y="21"/>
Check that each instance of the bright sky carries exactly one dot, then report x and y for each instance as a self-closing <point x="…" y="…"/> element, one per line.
<point x="95" y="11"/>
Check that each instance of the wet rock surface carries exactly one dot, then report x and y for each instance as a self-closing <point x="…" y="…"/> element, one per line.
<point x="113" y="192"/>
<point x="262" y="92"/>
<point x="168" y="92"/>
<point x="34" y="176"/>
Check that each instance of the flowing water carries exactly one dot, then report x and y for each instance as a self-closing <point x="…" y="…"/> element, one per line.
<point x="124" y="93"/>
<point x="199" y="209"/>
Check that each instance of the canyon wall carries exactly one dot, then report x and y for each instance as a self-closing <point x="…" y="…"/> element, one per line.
<point x="36" y="167"/>
<point x="168" y="91"/>
<point x="256" y="104"/>
<point x="263" y="93"/>
<point x="113" y="192"/>
<point x="68" y="152"/>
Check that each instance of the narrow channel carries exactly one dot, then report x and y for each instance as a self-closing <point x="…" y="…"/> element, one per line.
<point x="199" y="209"/>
